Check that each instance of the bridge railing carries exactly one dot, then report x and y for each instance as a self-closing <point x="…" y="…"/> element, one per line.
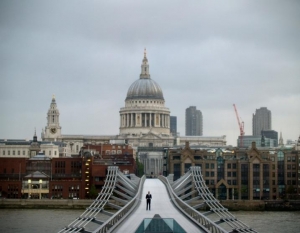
<point x="112" y="223"/>
<point x="201" y="221"/>
<point x="120" y="193"/>
<point x="190" y="193"/>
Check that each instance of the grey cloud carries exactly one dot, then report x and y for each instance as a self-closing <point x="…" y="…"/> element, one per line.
<point x="204" y="53"/>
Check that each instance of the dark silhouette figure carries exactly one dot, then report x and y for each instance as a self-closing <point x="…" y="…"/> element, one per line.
<point x="148" y="198"/>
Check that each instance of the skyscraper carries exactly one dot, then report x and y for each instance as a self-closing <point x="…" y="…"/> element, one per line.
<point x="173" y="125"/>
<point x="262" y="120"/>
<point x="193" y="122"/>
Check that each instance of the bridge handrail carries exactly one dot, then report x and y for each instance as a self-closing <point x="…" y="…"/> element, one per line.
<point x="196" y="217"/>
<point x="214" y="204"/>
<point x="113" y="222"/>
<point x="89" y="214"/>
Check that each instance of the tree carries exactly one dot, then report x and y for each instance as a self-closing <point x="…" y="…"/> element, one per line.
<point x="93" y="192"/>
<point x="139" y="168"/>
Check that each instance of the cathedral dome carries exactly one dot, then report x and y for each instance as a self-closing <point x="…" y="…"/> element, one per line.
<point x="145" y="87"/>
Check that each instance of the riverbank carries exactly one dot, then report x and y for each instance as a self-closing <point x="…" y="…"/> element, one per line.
<point x="44" y="203"/>
<point x="232" y="205"/>
<point x="260" y="205"/>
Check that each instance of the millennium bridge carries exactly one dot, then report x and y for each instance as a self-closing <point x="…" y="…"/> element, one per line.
<point x="184" y="205"/>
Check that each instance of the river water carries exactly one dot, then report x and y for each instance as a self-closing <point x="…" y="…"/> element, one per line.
<point x="39" y="220"/>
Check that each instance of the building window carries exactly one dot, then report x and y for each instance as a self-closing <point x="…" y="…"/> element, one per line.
<point x="49" y="152"/>
<point x="107" y="152"/>
<point x="212" y="174"/>
<point x="233" y="174"/>
<point x="119" y="152"/>
<point x="8" y="152"/>
<point x="212" y="166"/>
<point x="229" y="174"/>
<point x="207" y="165"/>
<point x="234" y="165"/>
<point x="55" y="152"/>
<point x="113" y="152"/>
<point x="23" y="152"/>
<point x="280" y="156"/>
<point x="229" y="165"/>
<point x="288" y="166"/>
<point x="3" y="152"/>
<point x="14" y="153"/>
<point x="19" y="152"/>
<point x="207" y="174"/>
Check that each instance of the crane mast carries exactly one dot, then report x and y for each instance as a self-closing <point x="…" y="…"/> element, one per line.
<point x="241" y="126"/>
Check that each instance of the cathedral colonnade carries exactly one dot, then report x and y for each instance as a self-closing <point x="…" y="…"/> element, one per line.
<point x="147" y="119"/>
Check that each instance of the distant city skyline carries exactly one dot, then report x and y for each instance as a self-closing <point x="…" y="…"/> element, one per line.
<point x="206" y="54"/>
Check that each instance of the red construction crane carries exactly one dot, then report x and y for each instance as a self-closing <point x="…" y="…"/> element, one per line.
<point x="241" y="126"/>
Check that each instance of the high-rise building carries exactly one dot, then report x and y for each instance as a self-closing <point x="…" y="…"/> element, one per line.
<point x="193" y="122"/>
<point x="173" y="125"/>
<point x="261" y="120"/>
<point x="272" y="134"/>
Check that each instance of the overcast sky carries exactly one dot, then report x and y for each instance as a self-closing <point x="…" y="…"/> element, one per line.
<point x="208" y="54"/>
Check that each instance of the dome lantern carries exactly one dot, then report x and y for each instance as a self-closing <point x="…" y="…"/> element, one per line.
<point x="145" y="87"/>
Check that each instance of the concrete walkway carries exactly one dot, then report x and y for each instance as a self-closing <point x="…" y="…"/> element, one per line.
<point x="160" y="204"/>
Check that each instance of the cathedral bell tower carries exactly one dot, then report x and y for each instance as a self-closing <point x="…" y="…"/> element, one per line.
<point x="53" y="129"/>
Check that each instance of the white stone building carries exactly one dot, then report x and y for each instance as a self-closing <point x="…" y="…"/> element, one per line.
<point x="30" y="148"/>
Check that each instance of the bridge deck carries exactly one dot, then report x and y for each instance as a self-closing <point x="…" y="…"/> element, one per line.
<point x="160" y="204"/>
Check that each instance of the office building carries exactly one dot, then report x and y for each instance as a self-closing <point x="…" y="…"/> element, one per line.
<point x="272" y="134"/>
<point x="173" y="125"/>
<point x="193" y="122"/>
<point x="260" y="141"/>
<point x="261" y="120"/>
<point x="241" y="174"/>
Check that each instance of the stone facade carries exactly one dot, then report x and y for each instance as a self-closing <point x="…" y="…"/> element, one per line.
<point x="251" y="174"/>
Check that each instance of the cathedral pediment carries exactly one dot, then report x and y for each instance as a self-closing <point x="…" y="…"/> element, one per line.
<point x="150" y="135"/>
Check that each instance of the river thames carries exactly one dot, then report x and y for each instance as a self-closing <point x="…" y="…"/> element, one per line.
<point x="40" y="220"/>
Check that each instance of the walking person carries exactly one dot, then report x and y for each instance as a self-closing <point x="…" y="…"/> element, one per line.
<point x="148" y="198"/>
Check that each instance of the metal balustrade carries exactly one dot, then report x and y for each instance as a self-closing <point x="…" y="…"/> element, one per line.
<point x="119" y="193"/>
<point x="190" y="193"/>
